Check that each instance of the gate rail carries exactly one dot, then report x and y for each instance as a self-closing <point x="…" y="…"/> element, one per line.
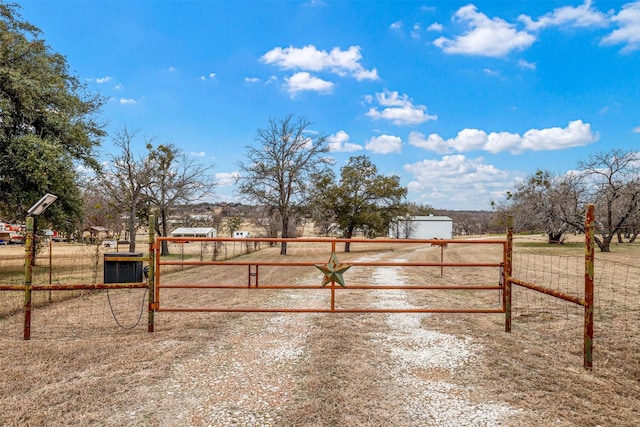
<point x="253" y="274"/>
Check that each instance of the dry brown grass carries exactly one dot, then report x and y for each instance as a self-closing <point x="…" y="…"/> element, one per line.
<point x="80" y="369"/>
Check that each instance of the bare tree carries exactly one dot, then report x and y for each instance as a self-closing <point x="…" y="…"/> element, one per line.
<point x="265" y="218"/>
<point x="548" y="203"/>
<point x="277" y="174"/>
<point x="233" y="224"/>
<point x="99" y="210"/>
<point x="175" y="179"/>
<point x="125" y="179"/>
<point x="615" y="191"/>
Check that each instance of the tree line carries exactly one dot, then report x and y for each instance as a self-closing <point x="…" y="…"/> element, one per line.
<point x="556" y="204"/>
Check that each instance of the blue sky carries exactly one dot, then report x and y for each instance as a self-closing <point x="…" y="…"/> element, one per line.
<point x="460" y="99"/>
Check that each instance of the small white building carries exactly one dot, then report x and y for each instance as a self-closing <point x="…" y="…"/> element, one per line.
<point x="422" y="227"/>
<point x="194" y="232"/>
<point x="241" y="234"/>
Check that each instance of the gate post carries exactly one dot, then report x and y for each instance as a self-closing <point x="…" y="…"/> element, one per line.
<point x="508" y="267"/>
<point x="151" y="277"/>
<point x="588" y="288"/>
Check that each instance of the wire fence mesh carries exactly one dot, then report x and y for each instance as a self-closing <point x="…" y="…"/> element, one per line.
<point x="558" y="325"/>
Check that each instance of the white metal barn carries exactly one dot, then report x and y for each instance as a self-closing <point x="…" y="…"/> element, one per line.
<point x="423" y="227"/>
<point x="194" y="232"/>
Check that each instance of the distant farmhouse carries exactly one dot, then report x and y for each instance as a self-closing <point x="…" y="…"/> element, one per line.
<point x="422" y="227"/>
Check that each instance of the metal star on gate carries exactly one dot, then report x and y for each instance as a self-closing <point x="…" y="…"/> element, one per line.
<point x="333" y="271"/>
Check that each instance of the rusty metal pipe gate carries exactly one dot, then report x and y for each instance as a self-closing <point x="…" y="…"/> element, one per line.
<point x="332" y="275"/>
<point x="253" y="278"/>
<point x="504" y="287"/>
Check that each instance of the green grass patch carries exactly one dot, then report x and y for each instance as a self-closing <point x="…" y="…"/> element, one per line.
<point x="548" y="245"/>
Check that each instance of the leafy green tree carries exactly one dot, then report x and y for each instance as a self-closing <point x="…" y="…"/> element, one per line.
<point x="277" y="174"/>
<point x="47" y="124"/>
<point x="362" y="199"/>
<point x="415" y="209"/>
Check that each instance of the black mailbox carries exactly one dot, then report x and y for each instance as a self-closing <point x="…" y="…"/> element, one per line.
<point x="120" y="270"/>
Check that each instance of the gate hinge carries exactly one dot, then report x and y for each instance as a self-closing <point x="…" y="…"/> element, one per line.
<point x="154" y="306"/>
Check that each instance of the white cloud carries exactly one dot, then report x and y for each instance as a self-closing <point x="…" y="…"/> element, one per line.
<point x="198" y="154"/>
<point x="628" y="19"/>
<point x="304" y="81"/>
<point x="172" y="69"/>
<point x="105" y="79"/>
<point x="399" y="109"/>
<point x="309" y="58"/>
<point x="396" y="25"/>
<point x="433" y="143"/>
<point x="576" y="134"/>
<point x="484" y="37"/>
<point x="251" y="80"/>
<point x="636" y="129"/>
<point x="226" y="179"/>
<point x="524" y="64"/>
<point x="416" y="31"/>
<point x="435" y="27"/>
<point x="580" y="16"/>
<point x="340" y="142"/>
<point x="128" y="101"/>
<point x="384" y="144"/>
<point x="212" y="75"/>
<point x="118" y="87"/>
<point x="458" y="182"/>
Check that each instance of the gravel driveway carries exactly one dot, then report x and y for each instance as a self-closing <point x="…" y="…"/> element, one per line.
<point x="254" y="373"/>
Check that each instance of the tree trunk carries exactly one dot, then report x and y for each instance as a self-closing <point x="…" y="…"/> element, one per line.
<point x="132" y="228"/>
<point x="348" y="235"/>
<point x="555" y="237"/>
<point x="165" y="245"/>
<point x="605" y="244"/>
<point x="285" y="233"/>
